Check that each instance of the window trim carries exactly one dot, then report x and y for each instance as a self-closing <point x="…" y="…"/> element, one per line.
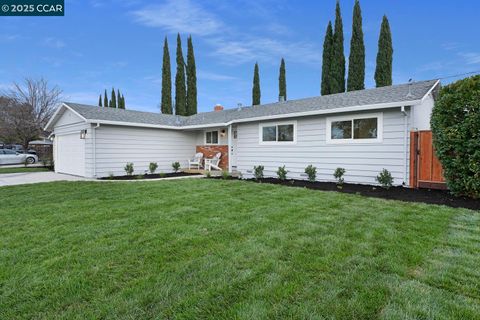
<point x="276" y="124"/>
<point x="378" y="139"/>
<point x="205" y="137"/>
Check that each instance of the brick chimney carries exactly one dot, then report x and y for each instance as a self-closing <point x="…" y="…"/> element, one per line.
<point x="218" y="107"/>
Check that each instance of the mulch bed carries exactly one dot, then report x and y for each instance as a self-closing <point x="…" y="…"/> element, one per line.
<point x="151" y="176"/>
<point x="430" y="196"/>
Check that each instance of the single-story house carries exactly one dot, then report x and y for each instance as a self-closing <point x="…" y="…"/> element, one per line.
<point x="362" y="131"/>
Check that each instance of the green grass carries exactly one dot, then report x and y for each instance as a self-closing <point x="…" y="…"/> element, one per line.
<point x="212" y="249"/>
<point x="22" y="169"/>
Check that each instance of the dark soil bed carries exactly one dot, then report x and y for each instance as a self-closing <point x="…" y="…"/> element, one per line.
<point x="151" y="176"/>
<point x="441" y="197"/>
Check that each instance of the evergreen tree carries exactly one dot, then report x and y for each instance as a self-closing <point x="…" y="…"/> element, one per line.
<point x="327" y="61"/>
<point x="100" y="101"/>
<point x="180" y="90"/>
<point x="191" y="79"/>
<point x="123" y="102"/>
<point x="166" y="104"/>
<point x="338" y="58"/>
<point x="356" y="61"/>
<point x="282" y="81"/>
<point x="113" y="99"/>
<point x="383" y="71"/>
<point x="105" y="99"/>
<point x="256" y="86"/>
<point x="119" y="100"/>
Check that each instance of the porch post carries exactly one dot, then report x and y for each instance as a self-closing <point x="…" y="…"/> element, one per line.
<point x="229" y="147"/>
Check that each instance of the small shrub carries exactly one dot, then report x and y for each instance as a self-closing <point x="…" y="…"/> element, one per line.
<point x="110" y="175"/>
<point x="152" y="167"/>
<point x="162" y="174"/>
<point x="129" y="168"/>
<point x="311" y="171"/>
<point x="140" y="176"/>
<point x="176" y="166"/>
<point x="225" y="174"/>
<point x="282" y="173"/>
<point x="208" y="174"/>
<point x="258" y="172"/>
<point x="385" y="179"/>
<point x="338" y="175"/>
<point x="48" y="163"/>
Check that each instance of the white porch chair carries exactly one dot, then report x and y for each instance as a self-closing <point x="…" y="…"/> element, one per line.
<point x="196" y="161"/>
<point x="213" y="162"/>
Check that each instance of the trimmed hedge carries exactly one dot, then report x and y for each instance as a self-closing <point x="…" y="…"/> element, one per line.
<point x="456" y="135"/>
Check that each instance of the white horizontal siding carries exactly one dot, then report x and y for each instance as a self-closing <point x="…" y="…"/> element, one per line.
<point x="362" y="162"/>
<point x="115" y="146"/>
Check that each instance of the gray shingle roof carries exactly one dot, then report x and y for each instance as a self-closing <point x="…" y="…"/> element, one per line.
<point x="391" y="94"/>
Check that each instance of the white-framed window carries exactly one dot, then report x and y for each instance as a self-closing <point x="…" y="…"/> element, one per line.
<point x="278" y="132"/>
<point x="211" y="137"/>
<point x="365" y="128"/>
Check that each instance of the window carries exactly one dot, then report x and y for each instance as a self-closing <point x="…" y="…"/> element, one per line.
<point x="356" y="129"/>
<point x="211" y="137"/>
<point x="278" y="133"/>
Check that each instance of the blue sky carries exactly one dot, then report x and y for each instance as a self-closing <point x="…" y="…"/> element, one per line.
<point x="103" y="43"/>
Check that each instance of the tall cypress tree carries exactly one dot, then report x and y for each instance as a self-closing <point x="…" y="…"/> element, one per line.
<point x="123" y="102"/>
<point x="282" y="81"/>
<point x="166" y="104"/>
<point x="191" y="79"/>
<point x="383" y="71"/>
<point x="256" y="86"/>
<point x="338" y="59"/>
<point x="356" y="61"/>
<point x="119" y="100"/>
<point x="105" y="99"/>
<point x="113" y="100"/>
<point x="100" y="101"/>
<point x="327" y="61"/>
<point x="180" y="90"/>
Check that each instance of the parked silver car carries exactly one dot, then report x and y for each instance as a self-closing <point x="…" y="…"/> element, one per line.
<point x="8" y="156"/>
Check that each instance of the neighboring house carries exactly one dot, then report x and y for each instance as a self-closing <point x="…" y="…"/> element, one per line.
<point x="362" y="131"/>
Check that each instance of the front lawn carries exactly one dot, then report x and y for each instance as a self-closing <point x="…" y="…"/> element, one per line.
<point x="4" y="170"/>
<point x="213" y="249"/>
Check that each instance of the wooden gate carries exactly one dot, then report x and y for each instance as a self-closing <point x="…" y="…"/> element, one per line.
<point x="426" y="170"/>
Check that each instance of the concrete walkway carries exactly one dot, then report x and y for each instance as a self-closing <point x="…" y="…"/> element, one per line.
<point x="11" y="179"/>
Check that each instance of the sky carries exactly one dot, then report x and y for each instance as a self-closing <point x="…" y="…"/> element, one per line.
<point x="100" y="44"/>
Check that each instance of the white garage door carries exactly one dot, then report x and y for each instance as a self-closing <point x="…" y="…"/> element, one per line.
<point x="70" y="153"/>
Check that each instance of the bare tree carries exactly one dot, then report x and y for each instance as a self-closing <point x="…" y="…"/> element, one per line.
<point x="26" y="109"/>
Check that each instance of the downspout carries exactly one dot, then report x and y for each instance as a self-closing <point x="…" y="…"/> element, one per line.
<point x="95" y="150"/>
<point x="405" y="150"/>
<point x="229" y="148"/>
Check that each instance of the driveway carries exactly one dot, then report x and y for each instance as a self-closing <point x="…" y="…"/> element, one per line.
<point x="11" y="179"/>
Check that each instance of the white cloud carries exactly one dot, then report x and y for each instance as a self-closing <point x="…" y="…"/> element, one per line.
<point x="53" y="42"/>
<point x="471" y="57"/>
<point x="181" y="16"/>
<point x="214" y="76"/>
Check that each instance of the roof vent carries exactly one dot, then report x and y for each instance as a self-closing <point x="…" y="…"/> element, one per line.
<point x="218" y="107"/>
<point x="409" y="94"/>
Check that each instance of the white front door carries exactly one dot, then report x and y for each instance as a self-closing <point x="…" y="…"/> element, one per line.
<point x="232" y="157"/>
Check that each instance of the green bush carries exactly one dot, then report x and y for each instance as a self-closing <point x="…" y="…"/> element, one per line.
<point x="385" y="179"/>
<point x="129" y="168"/>
<point x="176" y="166"/>
<point x="456" y="135"/>
<point x="152" y="167"/>
<point x="338" y="175"/>
<point x="311" y="171"/>
<point x="225" y="174"/>
<point x="258" y="172"/>
<point x="282" y="173"/>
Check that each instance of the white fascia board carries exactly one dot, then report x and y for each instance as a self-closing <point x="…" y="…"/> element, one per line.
<point x="430" y="91"/>
<point x="54" y="116"/>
